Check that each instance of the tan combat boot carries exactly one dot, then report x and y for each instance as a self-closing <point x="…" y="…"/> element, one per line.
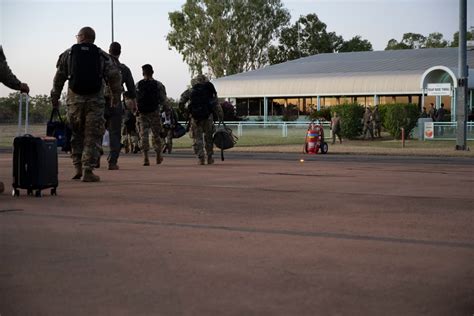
<point x="201" y="161"/>
<point x="146" y="160"/>
<point x="89" y="176"/>
<point x="78" y="174"/>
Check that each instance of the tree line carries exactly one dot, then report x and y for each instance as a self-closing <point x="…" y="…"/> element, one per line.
<point x="226" y="37"/>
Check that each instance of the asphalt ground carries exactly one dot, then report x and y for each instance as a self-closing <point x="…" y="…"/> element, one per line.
<point x="256" y="234"/>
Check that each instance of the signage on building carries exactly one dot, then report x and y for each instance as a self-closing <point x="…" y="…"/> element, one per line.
<point x="439" y="89"/>
<point x="429" y="130"/>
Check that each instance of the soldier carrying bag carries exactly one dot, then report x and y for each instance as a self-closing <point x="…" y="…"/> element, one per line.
<point x="224" y="138"/>
<point x="59" y="130"/>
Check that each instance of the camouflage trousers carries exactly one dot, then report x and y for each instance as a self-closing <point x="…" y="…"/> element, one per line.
<point x="146" y="122"/>
<point x="129" y="138"/>
<point x="88" y="126"/>
<point x="201" y="132"/>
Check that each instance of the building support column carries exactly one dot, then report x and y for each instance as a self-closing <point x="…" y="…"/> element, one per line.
<point x="318" y="107"/>
<point x="422" y="100"/>
<point x="376" y="100"/>
<point x="265" y="109"/>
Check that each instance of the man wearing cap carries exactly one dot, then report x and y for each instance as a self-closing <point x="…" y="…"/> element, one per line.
<point x="203" y="96"/>
<point x="151" y="96"/>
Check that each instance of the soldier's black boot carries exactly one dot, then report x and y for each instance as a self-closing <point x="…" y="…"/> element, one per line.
<point x="2" y="187"/>
<point x="210" y="160"/>
<point x="146" y="160"/>
<point x="78" y="174"/>
<point x="159" y="158"/>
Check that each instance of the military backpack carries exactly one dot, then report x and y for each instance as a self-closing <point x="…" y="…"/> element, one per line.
<point x="201" y="105"/>
<point x="85" y="75"/>
<point x="148" y="93"/>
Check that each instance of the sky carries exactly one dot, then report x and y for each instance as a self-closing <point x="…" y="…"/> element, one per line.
<point x="34" y="33"/>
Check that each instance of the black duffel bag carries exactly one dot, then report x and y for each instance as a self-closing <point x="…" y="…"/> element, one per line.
<point x="179" y="131"/>
<point x="224" y="138"/>
<point x="60" y="130"/>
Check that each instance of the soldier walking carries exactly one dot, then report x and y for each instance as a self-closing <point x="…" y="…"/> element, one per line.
<point x="11" y="81"/>
<point x="85" y="66"/>
<point x="113" y="114"/>
<point x="202" y="98"/>
<point x="377" y="121"/>
<point x="367" y="124"/>
<point x="151" y="95"/>
<point x="336" y="128"/>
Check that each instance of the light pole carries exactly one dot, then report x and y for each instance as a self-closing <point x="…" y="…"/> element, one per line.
<point x="461" y="108"/>
<point x="112" y="13"/>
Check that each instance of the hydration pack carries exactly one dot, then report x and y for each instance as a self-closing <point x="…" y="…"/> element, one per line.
<point x="85" y="75"/>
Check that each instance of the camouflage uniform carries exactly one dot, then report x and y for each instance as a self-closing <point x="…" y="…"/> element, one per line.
<point x="147" y="121"/>
<point x="202" y="131"/>
<point x="129" y="132"/>
<point x="86" y="112"/>
<point x="6" y="75"/>
<point x="336" y="128"/>
<point x="10" y="80"/>
<point x="368" y="124"/>
<point x="113" y="115"/>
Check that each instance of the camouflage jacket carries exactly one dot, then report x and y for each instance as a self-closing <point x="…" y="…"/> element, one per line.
<point x="110" y="72"/>
<point x="185" y="98"/>
<point x="127" y="77"/>
<point x="6" y="75"/>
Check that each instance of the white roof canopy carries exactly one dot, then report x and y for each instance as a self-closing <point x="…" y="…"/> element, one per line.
<point x="343" y="74"/>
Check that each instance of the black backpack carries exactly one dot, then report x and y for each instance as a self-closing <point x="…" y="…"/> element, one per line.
<point x="147" y="96"/>
<point x="200" y="106"/>
<point x="85" y="75"/>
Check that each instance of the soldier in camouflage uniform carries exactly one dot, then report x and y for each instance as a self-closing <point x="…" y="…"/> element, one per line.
<point x="151" y="96"/>
<point x="377" y="121"/>
<point x="86" y="111"/>
<point x="10" y="80"/>
<point x="368" y="126"/>
<point x="201" y="131"/>
<point x="113" y="114"/>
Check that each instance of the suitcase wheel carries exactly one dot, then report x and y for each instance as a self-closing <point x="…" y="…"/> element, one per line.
<point x="15" y="192"/>
<point x="38" y="193"/>
<point x="53" y="191"/>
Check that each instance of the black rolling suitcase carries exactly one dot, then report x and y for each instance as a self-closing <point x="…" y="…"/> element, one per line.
<point x="35" y="161"/>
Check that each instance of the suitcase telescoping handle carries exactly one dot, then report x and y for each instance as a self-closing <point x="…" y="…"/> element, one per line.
<point x="20" y="114"/>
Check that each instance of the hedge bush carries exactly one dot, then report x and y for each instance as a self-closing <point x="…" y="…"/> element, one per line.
<point x="351" y="119"/>
<point x="396" y="116"/>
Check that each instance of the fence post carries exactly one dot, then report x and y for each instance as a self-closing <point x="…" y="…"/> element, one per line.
<point x="403" y="137"/>
<point x="239" y="129"/>
<point x="284" y="130"/>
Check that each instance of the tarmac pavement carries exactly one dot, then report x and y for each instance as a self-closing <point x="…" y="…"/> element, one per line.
<point x="256" y="234"/>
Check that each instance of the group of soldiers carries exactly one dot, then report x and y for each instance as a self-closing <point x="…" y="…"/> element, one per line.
<point x="95" y="108"/>
<point x="372" y="122"/>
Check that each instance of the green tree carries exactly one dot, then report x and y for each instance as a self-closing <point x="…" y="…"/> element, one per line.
<point x="308" y="36"/>
<point x="224" y="37"/>
<point x="409" y="41"/>
<point x="355" y="44"/>
<point x="455" y="42"/>
<point x="435" y="40"/>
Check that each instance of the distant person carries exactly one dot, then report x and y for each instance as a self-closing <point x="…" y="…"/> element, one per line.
<point x="85" y="66"/>
<point x="432" y="112"/>
<point x="202" y="104"/>
<point x="11" y="81"/>
<point x="368" y="125"/>
<point x="151" y="96"/>
<point x="440" y="118"/>
<point x="424" y="114"/>
<point x="114" y="114"/>
<point x="377" y="122"/>
<point x="336" y="128"/>
<point x="169" y="120"/>
<point x="130" y="138"/>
